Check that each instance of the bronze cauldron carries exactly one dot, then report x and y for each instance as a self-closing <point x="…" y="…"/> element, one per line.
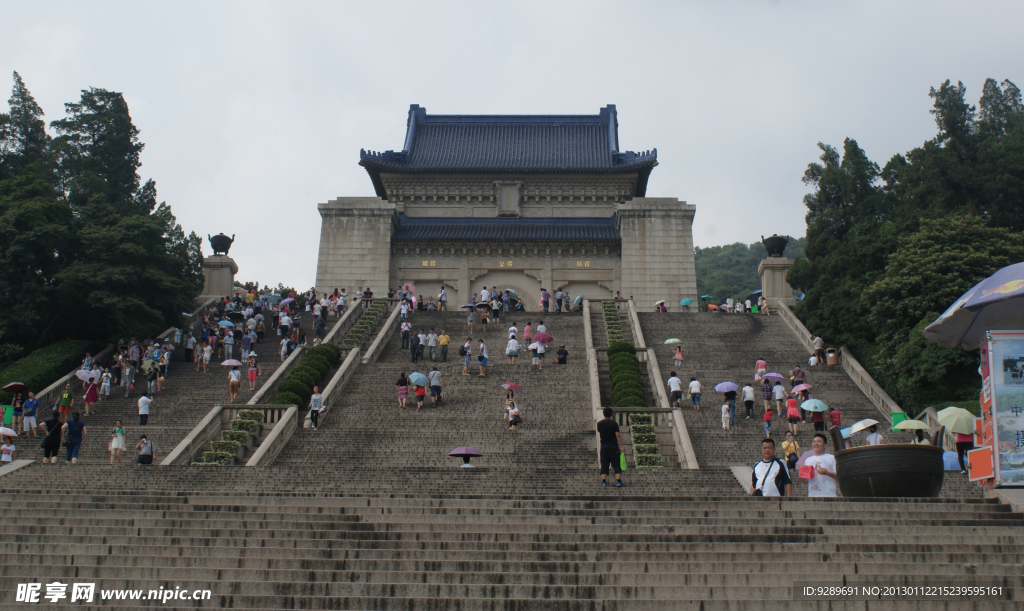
<point x="893" y="470"/>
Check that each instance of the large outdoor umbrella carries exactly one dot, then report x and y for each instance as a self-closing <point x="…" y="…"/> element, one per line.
<point x="908" y="425"/>
<point x="466" y="452"/>
<point x="15" y="387"/>
<point x="512" y="386"/>
<point x="225" y="323"/>
<point x="417" y="378"/>
<point x="673" y="340"/>
<point x="801" y="387"/>
<point x="577" y="301"/>
<point x="726" y="386"/>
<point x="232" y="363"/>
<point x="814" y="405"/>
<point x="6" y="432"/>
<point x="543" y="338"/>
<point x="685" y="302"/>
<point x="994" y="303"/>
<point x="957" y="420"/>
<point x="774" y="376"/>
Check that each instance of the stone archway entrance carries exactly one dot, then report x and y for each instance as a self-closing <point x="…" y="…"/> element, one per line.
<point x="526" y="287"/>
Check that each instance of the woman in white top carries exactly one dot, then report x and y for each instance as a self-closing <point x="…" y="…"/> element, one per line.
<point x="512" y="350"/>
<point x="513" y="414"/>
<point x="873" y="438"/>
<point x="234" y="381"/>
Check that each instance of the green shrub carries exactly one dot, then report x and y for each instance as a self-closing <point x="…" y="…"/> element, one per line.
<point x="231" y="447"/>
<point x="244" y="425"/>
<point x="621" y="377"/>
<point x="319" y="362"/>
<point x="328" y="351"/>
<point x="287" y="398"/>
<point x="647" y="461"/>
<point x="304" y="376"/>
<point x="297" y="387"/>
<point x="240" y="436"/>
<point x="207" y="464"/>
<point x="621" y="347"/>
<point x="640" y="419"/>
<point x="219" y="458"/>
<point x="255" y="415"/>
<point x="623" y="357"/>
<point x="45" y="366"/>
<point x="631" y="400"/>
<point x="629" y="385"/>
<point x="645" y="448"/>
<point x="641" y="429"/>
<point x="643" y="438"/>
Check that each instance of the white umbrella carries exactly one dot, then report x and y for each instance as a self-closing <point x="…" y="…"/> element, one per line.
<point x="659" y="302"/>
<point x="85" y="375"/>
<point x="6" y="432"/>
<point x="957" y="420"/>
<point x="908" y="425"/>
<point x="862" y="425"/>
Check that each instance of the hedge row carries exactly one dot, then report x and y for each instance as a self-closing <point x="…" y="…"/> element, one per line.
<point x="612" y="323"/>
<point x="625" y="379"/>
<point x="365" y="325"/>
<point x="46" y="365"/>
<point x="297" y="386"/>
<point x="224" y="451"/>
<point x="645" y="443"/>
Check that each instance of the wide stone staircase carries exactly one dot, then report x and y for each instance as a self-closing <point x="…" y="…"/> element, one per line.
<point x="369" y="512"/>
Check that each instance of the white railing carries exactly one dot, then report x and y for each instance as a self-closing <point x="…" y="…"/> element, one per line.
<point x="592" y="373"/>
<point x="338" y="381"/>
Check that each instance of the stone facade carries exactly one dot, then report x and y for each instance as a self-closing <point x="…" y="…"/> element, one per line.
<point x="539" y="219"/>
<point x="218" y="276"/>
<point x="774" y="286"/>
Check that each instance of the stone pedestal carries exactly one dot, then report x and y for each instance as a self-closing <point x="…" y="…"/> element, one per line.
<point x="657" y="250"/>
<point x="774" y="286"/>
<point x="219" y="272"/>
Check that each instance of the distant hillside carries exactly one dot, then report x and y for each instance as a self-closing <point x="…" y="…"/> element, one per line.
<point x="731" y="270"/>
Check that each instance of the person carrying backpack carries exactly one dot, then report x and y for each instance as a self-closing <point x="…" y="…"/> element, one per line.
<point x="770" y="476"/>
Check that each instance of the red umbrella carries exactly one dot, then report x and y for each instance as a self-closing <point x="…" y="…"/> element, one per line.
<point x="14" y="387"/>
<point x="543" y="338"/>
<point x="512" y="386"/>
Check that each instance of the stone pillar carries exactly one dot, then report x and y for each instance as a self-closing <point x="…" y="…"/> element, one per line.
<point x="657" y="250"/>
<point x="774" y="286"/>
<point x="355" y="245"/>
<point x="219" y="274"/>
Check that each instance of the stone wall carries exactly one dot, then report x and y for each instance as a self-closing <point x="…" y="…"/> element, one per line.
<point x="355" y="244"/>
<point x="657" y="250"/>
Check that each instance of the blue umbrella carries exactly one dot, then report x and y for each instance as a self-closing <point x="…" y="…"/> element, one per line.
<point x="576" y="302"/>
<point x="272" y="299"/>
<point x="512" y="294"/>
<point x="996" y="302"/>
<point x="417" y="378"/>
<point x="814" y="405"/>
<point x="225" y="323"/>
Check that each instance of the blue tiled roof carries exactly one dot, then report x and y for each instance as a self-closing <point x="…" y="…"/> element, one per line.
<point x="512" y="143"/>
<point x="466" y="229"/>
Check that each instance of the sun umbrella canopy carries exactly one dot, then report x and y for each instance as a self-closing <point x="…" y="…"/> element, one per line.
<point x="232" y="363"/>
<point x="85" y="375"/>
<point x="543" y="338"/>
<point x="726" y="386"/>
<point x="465" y="451"/>
<point x="225" y="323"/>
<point x="802" y="387"/>
<point x="6" y="432"/>
<point x="774" y="376"/>
<point x="14" y="387"/>
<point x="863" y="425"/>
<point x="272" y="299"/>
<point x="957" y="420"/>
<point x="285" y="302"/>
<point x="909" y="425"/>
<point x="512" y="386"/>
<point x="814" y="405"/>
<point x="577" y="301"/>
<point x="673" y="340"/>
<point x="484" y="305"/>
<point x="707" y="297"/>
<point x="147" y="364"/>
<point x="685" y="302"/>
<point x="241" y="291"/>
<point x="533" y="346"/>
<point x="712" y="307"/>
<point x="468" y="306"/>
<point x="417" y="378"/>
<point x="409" y="287"/>
<point x="994" y="303"/>
<point x="659" y="302"/>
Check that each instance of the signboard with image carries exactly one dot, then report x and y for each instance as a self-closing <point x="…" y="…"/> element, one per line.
<point x="1006" y="385"/>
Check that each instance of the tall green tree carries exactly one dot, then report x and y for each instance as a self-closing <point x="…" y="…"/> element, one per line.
<point x="731" y="270"/>
<point x="931" y="269"/>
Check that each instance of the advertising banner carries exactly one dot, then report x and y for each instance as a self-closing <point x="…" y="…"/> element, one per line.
<point x="1006" y="385"/>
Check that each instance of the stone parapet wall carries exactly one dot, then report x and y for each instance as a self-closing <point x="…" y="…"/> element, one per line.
<point x="657" y="250"/>
<point x="355" y="241"/>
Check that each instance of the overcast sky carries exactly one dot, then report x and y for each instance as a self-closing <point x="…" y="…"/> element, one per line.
<point x="254" y="112"/>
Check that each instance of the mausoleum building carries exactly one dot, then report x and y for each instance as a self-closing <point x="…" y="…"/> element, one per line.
<point x="512" y="202"/>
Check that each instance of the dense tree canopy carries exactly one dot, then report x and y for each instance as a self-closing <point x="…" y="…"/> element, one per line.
<point x="85" y="249"/>
<point x="888" y="248"/>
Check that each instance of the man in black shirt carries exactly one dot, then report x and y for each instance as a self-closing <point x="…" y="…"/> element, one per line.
<point x="562" y="356"/>
<point x="611" y="447"/>
<point x="730" y="398"/>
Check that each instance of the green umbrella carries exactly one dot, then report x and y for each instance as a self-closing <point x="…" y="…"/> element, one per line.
<point x="512" y="294"/>
<point x="707" y="297"/>
<point x="957" y="420"/>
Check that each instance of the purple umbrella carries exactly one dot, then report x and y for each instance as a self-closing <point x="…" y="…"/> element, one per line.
<point x="465" y="452"/>
<point x="285" y="302"/>
<point x="543" y="338"/>
<point x="994" y="303"/>
<point x="774" y="376"/>
<point x="726" y="387"/>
